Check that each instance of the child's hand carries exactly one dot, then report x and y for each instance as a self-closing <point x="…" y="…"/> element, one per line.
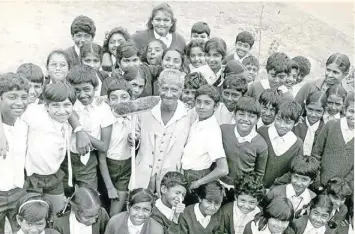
<point x="195" y="185"/>
<point x="180" y="208"/>
<point x="83" y="144"/>
<point x="131" y="141"/>
<point x="112" y="193"/>
<point x="4" y="147"/>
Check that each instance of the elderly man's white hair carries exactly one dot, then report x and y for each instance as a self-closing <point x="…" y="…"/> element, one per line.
<point x="171" y="74"/>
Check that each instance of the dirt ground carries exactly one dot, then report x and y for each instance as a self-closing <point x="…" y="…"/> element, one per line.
<point x="29" y="31"/>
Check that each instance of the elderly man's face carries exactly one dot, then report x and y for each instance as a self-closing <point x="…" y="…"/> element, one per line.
<point x="170" y="91"/>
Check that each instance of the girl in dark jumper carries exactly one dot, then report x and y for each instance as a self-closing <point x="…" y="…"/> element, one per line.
<point x="335" y="102"/>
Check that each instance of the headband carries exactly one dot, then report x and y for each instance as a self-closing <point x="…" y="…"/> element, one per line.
<point x="32" y="201"/>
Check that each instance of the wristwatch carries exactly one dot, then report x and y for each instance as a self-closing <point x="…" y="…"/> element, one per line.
<point x="78" y="129"/>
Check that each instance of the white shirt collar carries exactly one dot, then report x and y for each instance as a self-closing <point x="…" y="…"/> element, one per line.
<point x="77" y="50"/>
<point x="298" y="201"/>
<point x="205" y="123"/>
<point x="347" y="133"/>
<point x="192" y="67"/>
<point x="327" y="117"/>
<point x="310" y="229"/>
<point x="247" y="138"/>
<point x="204" y="221"/>
<point x="281" y="144"/>
<point x="179" y="113"/>
<point x="240" y="220"/>
<point x="166" y="211"/>
<point x="313" y="127"/>
<point x="76" y="227"/>
<point x="167" y="39"/>
<point x="265" y="84"/>
<point x="133" y="229"/>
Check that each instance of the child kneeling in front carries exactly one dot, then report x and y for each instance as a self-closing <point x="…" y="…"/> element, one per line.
<point x="249" y="191"/>
<point x="137" y="217"/>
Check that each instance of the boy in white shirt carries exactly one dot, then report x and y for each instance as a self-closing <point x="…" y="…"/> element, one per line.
<point x="13" y="102"/>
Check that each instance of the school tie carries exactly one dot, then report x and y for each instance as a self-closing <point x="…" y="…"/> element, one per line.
<point x="296" y="202"/>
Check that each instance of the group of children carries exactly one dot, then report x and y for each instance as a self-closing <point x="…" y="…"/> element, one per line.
<point x="222" y="152"/>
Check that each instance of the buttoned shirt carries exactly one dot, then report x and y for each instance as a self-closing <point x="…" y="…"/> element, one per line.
<point x="166" y="39"/>
<point x="203" y="220"/>
<point x="240" y="220"/>
<point x="281" y="144"/>
<point x="247" y="138"/>
<point x="300" y="201"/>
<point x="347" y="133"/>
<point x="223" y="115"/>
<point x="76" y="227"/>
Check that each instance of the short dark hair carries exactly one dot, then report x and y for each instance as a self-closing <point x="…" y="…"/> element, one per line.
<point x="272" y="97"/>
<point x="290" y="110"/>
<point x="236" y="82"/>
<point x="173" y="178"/>
<point x="192" y="44"/>
<point x="139" y="195"/>
<point x="194" y="80"/>
<point x="279" y="62"/>
<point x="116" y="30"/>
<point x="34" y="208"/>
<point x="245" y="37"/>
<point x="233" y="66"/>
<point x="12" y="81"/>
<point x="58" y="92"/>
<point x="218" y="44"/>
<point x="210" y="91"/>
<point x="163" y="7"/>
<point x="32" y="72"/>
<point x="251" y="60"/>
<point x="294" y="65"/>
<point x="83" y="24"/>
<point x="248" y="104"/>
<point x="337" y="90"/>
<point x="201" y="27"/>
<point x="212" y="190"/>
<point x="119" y="84"/>
<point x="82" y="74"/>
<point x="305" y="165"/>
<point x="304" y="65"/>
<point x="127" y="49"/>
<point x="250" y="184"/>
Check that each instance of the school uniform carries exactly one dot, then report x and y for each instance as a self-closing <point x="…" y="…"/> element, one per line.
<point x="244" y="154"/>
<point x="12" y="183"/>
<point x="161" y="145"/>
<point x="193" y="221"/>
<point x="260" y="123"/>
<point x="308" y="88"/>
<point x="308" y="134"/>
<point x="223" y="115"/>
<point x="235" y="57"/>
<point x="68" y="224"/>
<point x="164" y="216"/>
<point x="298" y="202"/>
<point x="304" y="226"/>
<point x="122" y="224"/>
<point x="101" y="77"/>
<point x="335" y="149"/>
<point x="234" y="221"/>
<point x="93" y="118"/>
<point x="327" y="117"/>
<point x="253" y="228"/>
<point x="257" y="88"/>
<point x="74" y="55"/>
<point x="48" y="142"/>
<point x="45" y="231"/>
<point x="281" y="151"/>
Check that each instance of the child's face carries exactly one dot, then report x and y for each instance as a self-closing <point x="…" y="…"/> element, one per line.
<point x="252" y="72"/>
<point x="246" y="203"/>
<point x="138" y="87"/>
<point x="214" y="59"/>
<point x="333" y="75"/>
<point x="282" y="125"/>
<point x="245" y="121"/>
<point x="209" y="206"/>
<point x="32" y="228"/>
<point x="200" y="36"/>
<point x="88" y="216"/>
<point x="92" y="60"/>
<point x="277" y="226"/>
<point x="230" y="98"/>
<point x="13" y="103"/>
<point x="276" y="80"/>
<point x="334" y="104"/>
<point x="57" y="67"/>
<point x="242" y="49"/>
<point x="132" y="61"/>
<point x="80" y="38"/>
<point x="119" y="96"/>
<point x="300" y="183"/>
<point x="205" y="106"/>
<point x="60" y="111"/>
<point x="162" y="23"/>
<point x="140" y="212"/>
<point x="319" y="217"/>
<point x="173" y="196"/>
<point x="85" y="93"/>
<point x="34" y="92"/>
<point x="172" y="60"/>
<point x="337" y="201"/>
<point x="292" y="78"/>
<point x="349" y="114"/>
<point x="155" y="53"/>
<point x="314" y="112"/>
<point x="170" y="92"/>
<point x="115" y="40"/>
<point x="268" y="113"/>
<point x="188" y="97"/>
<point x="197" y="57"/>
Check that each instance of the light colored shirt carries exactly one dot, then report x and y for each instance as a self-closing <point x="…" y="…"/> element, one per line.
<point x="167" y="39"/>
<point x="347" y="133"/>
<point x="77" y="50"/>
<point x="203" y="220"/>
<point x="76" y="227"/>
<point x="247" y="138"/>
<point x="240" y="220"/>
<point x="260" y="123"/>
<point x="98" y="88"/>
<point x="47" y="141"/>
<point x="281" y="144"/>
<point x="327" y="117"/>
<point x="297" y="87"/>
<point x="204" y="145"/>
<point x="300" y="201"/>
<point x="223" y="115"/>
<point x="133" y="229"/>
<point x="309" y="139"/>
<point x="266" y="85"/>
<point x="166" y="211"/>
<point x="12" y="167"/>
<point x="238" y="59"/>
<point x="310" y="229"/>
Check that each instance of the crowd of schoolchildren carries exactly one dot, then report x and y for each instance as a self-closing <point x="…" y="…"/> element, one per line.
<point x="222" y="151"/>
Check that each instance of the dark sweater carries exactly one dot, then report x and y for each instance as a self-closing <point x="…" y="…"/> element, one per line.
<point x="243" y="157"/>
<point x="62" y="225"/>
<point x="277" y="166"/>
<point x="74" y="58"/>
<point x="337" y="157"/>
<point x="168" y="225"/>
<point x="142" y="39"/>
